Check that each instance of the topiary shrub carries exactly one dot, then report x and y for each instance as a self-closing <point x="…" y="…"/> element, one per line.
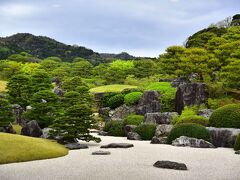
<point x="237" y="143"/>
<point x="104" y="100"/>
<point x="227" y="116"/>
<point x="133" y="119"/>
<point x="189" y="130"/>
<point x="193" y="119"/>
<point x="114" y="128"/>
<point x="132" y="98"/>
<point x="146" y="131"/>
<point x="115" y="101"/>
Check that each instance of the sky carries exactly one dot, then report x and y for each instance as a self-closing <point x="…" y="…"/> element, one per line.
<point x="139" y="27"/>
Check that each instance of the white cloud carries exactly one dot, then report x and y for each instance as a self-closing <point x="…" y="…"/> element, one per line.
<point x="18" y="10"/>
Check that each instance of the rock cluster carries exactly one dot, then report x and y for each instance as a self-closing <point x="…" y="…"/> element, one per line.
<point x="192" y="142"/>
<point x="161" y="134"/>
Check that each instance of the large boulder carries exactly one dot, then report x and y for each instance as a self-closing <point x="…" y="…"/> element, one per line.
<point x="170" y="165"/>
<point x="223" y="137"/>
<point x="121" y="112"/>
<point x="129" y="128"/>
<point x="46" y="133"/>
<point x="205" y="113"/>
<point x="192" y="142"/>
<point x="179" y="81"/>
<point x="149" y="103"/>
<point x="190" y="94"/>
<point x="159" y="118"/>
<point x="161" y="134"/>
<point x="133" y="136"/>
<point x="31" y="129"/>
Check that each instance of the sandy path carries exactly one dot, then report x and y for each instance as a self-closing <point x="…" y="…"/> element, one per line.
<point x="129" y="164"/>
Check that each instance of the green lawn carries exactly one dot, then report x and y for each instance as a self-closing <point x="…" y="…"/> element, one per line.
<point x="3" y="85"/>
<point x="17" y="148"/>
<point x="111" y="88"/>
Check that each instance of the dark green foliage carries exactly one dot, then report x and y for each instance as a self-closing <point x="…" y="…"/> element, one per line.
<point x="114" y="128"/>
<point x="189" y="130"/>
<point x="71" y="83"/>
<point x="227" y="116"/>
<point x="104" y="100"/>
<point x="132" y="98"/>
<point x="133" y="119"/>
<point x="40" y="80"/>
<point x="75" y="123"/>
<point x="6" y="113"/>
<point x="193" y="119"/>
<point x="237" y="143"/>
<point x="146" y="131"/>
<point x="44" y="108"/>
<point x="70" y="98"/>
<point x="115" y="101"/>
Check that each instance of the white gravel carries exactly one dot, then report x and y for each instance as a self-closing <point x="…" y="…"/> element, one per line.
<point x="129" y="164"/>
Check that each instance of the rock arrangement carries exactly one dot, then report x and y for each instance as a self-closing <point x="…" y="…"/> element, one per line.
<point x="31" y="129"/>
<point x="118" y="145"/>
<point x="121" y="112"/>
<point x="74" y="146"/>
<point x="101" y="153"/>
<point x="161" y="134"/>
<point x="159" y="118"/>
<point x="133" y="136"/>
<point x="170" y="165"/>
<point x="192" y="142"/>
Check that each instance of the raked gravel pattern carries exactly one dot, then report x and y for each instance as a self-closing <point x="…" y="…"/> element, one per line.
<point x="134" y="163"/>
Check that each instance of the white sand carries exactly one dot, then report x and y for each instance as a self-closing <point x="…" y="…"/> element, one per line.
<point x="129" y="164"/>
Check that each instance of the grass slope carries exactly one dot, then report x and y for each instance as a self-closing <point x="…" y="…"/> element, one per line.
<point x="17" y="148"/>
<point x="3" y="85"/>
<point x="111" y="88"/>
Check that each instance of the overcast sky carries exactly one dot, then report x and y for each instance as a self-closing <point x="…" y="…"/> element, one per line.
<point x="139" y="27"/>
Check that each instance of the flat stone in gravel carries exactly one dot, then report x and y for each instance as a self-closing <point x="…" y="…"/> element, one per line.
<point x="118" y="145"/>
<point x="101" y="153"/>
<point x="170" y="165"/>
<point x="74" y="146"/>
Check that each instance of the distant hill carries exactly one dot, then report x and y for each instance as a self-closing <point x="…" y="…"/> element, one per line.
<point x="123" y="56"/>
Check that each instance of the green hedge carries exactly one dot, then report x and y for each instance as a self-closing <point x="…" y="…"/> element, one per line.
<point x="115" y="101"/>
<point x="146" y="131"/>
<point x="189" y="130"/>
<point x="114" y="128"/>
<point x="193" y="119"/>
<point x="132" y="98"/>
<point x="133" y="119"/>
<point x="227" y="116"/>
<point x="237" y="143"/>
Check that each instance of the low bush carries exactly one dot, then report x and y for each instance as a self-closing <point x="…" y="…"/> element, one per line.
<point x="189" y="130"/>
<point x="193" y="119"/>
<point x="105" y="98"/>
<point x="227" y="116"/>
<point x="133" y="119"/>
<point x="237" y="143"/>
<point x="114" y="128"/>
<point x="132" y="98"/>
<point x="146" y="131"/>
<point x="115" y="101"/>
<point x="220" y="102"/>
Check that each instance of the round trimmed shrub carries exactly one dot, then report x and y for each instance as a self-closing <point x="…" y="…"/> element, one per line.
<point x="146" y="131"/>
<point x="105" y="99"/>
<point x="133" y="119"/>
<point x="227" y="116"/>
<point x="193" y="119"/>
<point x="114" y="128"/>
<point x="237" y="143"/>
<point x="132" y="98"/>
<point x="115" y="101"/>
<point x="189" y="130"/>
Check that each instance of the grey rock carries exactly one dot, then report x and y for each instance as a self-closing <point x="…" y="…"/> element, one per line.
<point x="149" y="103"/>
<point x="18" y="110"/>
<point x="102" y="133"/>
<point x="223" y="137"/>
<point x="101" y="153"/>
<point x="237" y="152"/>
<point x="58" y="91"/>
<point x="45" y="133"/>
<point x="121" y="112"/>
<point x="118" y="145"/>
<point x="205" y="113"/>
<point x="31" y="129"/>
<point x="190" y="94"/>
<point x="129" y="128"/>
<point x="159" y="140"/>
<point x="74" y="146"/>
<point x="133" y="136"/>
<point x="104" y="111"/>
<point x="170" y="165"/>
<point x="159" y="118"/>
<point x="192" y="142"/>
<point x="179" y="81"/>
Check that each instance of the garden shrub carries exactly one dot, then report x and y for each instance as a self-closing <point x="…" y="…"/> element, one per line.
<point x="105" y="98"/>
<point x="132" y="98"/>
<point x="237" y="143"/>
<point x="115" y="101"/>
<point x="189" y="130"/>
<point x="220" y="102"/>
<point x="193" y="119"/>
<point x="146" y="131"/>
<point x="227" y="116"/>
<point x="133" y="119"/>
<point x="114" y="128"/>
